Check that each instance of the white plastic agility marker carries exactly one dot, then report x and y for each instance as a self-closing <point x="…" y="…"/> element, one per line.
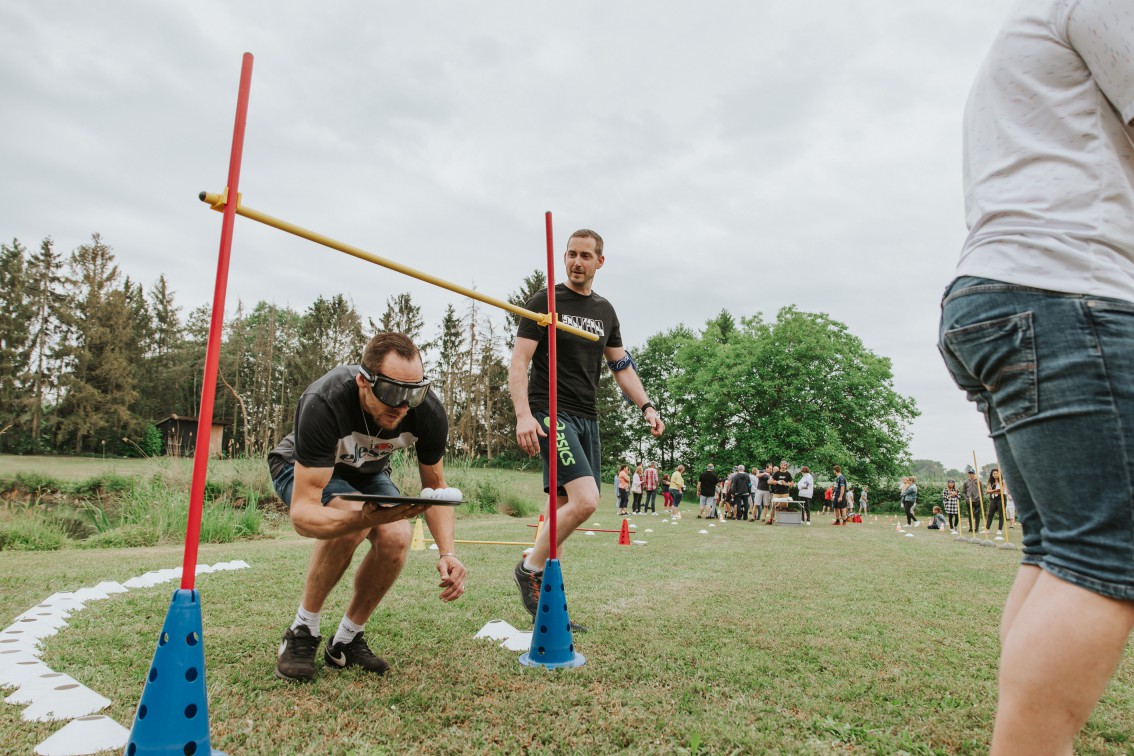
<point x="85" y="735"/>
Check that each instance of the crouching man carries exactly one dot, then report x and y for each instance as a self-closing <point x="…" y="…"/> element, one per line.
<point x="347" y="424"/>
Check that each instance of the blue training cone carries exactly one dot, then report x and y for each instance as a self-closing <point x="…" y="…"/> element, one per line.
<point x="552" y="644"/>
<point x="173" y="715"/>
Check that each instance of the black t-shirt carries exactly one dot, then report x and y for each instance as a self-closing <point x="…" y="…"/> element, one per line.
<point x="762" y="481"/>
<point x="578" y="361"/>
<point x="780" y="479"/>
<point x="330" y="430"/>
<point x="707" y="483"/>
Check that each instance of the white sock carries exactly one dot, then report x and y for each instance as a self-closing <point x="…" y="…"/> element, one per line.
<point x="310" y="619"/>
<point x="532" y="567"/>
<point x="346" y="632"/>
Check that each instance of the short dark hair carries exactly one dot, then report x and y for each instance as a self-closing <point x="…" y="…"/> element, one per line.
<point x="586" y="233"/>
<point x="838" y="469"/>
<point x="382" y="344"/>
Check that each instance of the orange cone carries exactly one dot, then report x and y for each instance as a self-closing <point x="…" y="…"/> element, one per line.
<point x="624" y="536"/>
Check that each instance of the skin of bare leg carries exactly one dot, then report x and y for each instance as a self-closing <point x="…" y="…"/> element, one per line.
<point x="572" y="511"/>
<point x="329" y="560"/>
<point x="1026" y="578"/>
<point x="1061" y="649"/>
<point x="379" y="569"/>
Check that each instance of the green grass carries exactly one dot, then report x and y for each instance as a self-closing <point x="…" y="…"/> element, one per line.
<point x="746" y="640"/>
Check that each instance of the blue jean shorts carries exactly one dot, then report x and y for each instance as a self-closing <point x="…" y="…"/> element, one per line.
<point x="1053" y="374"/>
<point x="379" y="483"/>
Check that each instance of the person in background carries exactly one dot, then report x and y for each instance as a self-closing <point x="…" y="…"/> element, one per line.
<point x="623" y="490"/>
<point x="677" y="488"/>
<point x="850" y="502"/>
<point x="763" y="492"/>
<point x="805" y="492"/>
<point x="839" y="496"/>
<point x="780" y="485"/>
<point x="828" y="493"/>
<point x="909" y="500"/>
<point x="707" y="491"/>
<point x="636" y="489"/>
<point x="951" y="498"/>
<point x="862" y="500"/>
<point x="667" y="494"/>
<point x="938" y="520"/>
<point x="971" y="497"/>
<point x="995" y="502"/>
<point x="650" y="484"/>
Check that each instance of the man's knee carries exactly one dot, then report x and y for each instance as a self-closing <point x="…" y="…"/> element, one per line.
<point x="392" y="540"/>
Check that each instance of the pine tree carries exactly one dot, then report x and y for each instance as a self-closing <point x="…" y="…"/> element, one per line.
<point x="48" y="296"/>
<point x="15" y="344"/>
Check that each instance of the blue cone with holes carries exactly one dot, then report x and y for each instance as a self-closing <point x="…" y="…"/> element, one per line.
<point x="173" y="715"/>
<point x="552" y="644"/>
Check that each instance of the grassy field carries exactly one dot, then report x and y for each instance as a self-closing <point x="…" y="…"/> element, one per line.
<point x="746" y="639"/>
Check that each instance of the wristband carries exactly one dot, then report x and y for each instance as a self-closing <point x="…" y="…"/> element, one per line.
<point x="646" y="406"/>
<point x="449" y="553"/>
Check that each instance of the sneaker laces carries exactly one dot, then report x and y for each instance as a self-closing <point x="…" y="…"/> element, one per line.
<point x="304" y="646"/>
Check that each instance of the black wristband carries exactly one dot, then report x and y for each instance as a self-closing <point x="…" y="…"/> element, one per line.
<point x="647" y="406"/>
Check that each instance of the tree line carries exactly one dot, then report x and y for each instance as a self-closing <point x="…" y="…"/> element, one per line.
<point x="91" y="360"/>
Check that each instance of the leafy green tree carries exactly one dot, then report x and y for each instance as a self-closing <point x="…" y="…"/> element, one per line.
<point x="658" y="367"/>
<point x="403" y="316"/>
<point x="802" y="388"/>
<point x="927" y="469"/>
<point x="330" y="334"/>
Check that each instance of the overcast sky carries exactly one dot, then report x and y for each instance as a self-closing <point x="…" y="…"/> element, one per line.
<point x="716" y="146"/>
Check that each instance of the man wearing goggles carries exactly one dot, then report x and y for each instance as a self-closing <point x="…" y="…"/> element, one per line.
<point x="347" y="425"/>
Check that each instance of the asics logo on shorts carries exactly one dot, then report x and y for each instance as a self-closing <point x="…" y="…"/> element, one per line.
<point x="566" y="457"/>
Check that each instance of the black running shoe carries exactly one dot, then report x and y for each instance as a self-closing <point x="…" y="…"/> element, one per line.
<point x="530" y="584"/>
<point x="297" y="655"/>
<point x="354" y="654"/>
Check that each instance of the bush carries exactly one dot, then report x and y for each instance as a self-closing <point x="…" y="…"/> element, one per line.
<point x="28" y="533"/>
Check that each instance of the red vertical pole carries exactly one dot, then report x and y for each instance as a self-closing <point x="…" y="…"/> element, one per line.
<point x="216" y="325"/>
<point x="553" y="431"/>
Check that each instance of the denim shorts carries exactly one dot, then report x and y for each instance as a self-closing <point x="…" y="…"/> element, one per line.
<point x="1053" y="374"/>
<point x="379" y="484"/>
<point x="577" y="444"/>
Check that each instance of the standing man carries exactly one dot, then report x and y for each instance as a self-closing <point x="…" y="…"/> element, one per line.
<point x="578" y="364"/>
<point x="763" y="493"/>
<point x="651" y="486"/>
<point x="707" y="491"/>
<point x="972" y="496"/>
<point x="347" y="425"/>
<point x="839" y="496"/>
<point x="780" y="484"/>
<point x="677" y="488"/>
<point x="738" y="491"/>
<point x="1038" y="329"/>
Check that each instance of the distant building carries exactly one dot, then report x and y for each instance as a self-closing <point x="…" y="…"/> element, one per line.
<point x="179" y="436"/>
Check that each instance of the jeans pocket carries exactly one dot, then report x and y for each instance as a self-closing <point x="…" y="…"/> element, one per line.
<point x="997" y="359"/>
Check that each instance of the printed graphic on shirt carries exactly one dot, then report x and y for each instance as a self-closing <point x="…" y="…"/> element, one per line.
<point x="590" y="325"/>
<point x="357" y="449"/>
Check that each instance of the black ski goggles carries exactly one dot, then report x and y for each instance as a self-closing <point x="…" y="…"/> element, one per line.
<point x="394" y="393"/>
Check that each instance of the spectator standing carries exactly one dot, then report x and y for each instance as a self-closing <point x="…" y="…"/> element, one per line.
<point x="862" y="500"/>
<point x="951" y="498"/>
<point x="805" y="491"/>
<point x="828" y="495"/>
<point x="738" y="488"/>
<point x="677" y="488"/>
<point x="623" y="490"/>
<point x="650" y="484"/>
<point x="667" y="494"/>
<point x="995" y="502"/>
<point x="707" y="491"/>
<point x="763" y="492"/>
<point x="972" y="496"/>
<point x="780" y="485"/>
<point x="839" y="496"/>
<point x="909" y="500"/>
<point x="636" y="489"/>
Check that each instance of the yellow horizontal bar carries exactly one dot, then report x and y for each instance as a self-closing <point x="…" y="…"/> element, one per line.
<point x="217" y="202"/>
<point x="490" y="543"/>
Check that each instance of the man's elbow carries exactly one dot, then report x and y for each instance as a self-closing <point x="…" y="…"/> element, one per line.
<point x="303" y="523"/>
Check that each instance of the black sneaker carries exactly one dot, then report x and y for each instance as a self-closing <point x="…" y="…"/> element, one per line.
<point x="354" y="654"/>
<point x="530" y="584"/>
<point x="297" y="655"/>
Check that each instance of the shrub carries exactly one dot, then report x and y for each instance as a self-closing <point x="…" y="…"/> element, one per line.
<point x="28" y="533"/>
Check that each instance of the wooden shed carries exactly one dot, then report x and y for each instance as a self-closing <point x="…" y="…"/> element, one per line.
<point x="178" y="433"/>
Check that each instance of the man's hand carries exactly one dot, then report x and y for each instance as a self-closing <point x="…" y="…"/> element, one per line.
<point x="528" y="434"/>
<point x="657" y="427"/>
<point x="453" y="575"/>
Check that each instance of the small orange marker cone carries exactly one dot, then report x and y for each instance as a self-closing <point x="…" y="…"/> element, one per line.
<point x="624" y="536"/>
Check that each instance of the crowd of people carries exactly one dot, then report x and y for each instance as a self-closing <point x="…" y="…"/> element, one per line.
<point x="752" y="496"/>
